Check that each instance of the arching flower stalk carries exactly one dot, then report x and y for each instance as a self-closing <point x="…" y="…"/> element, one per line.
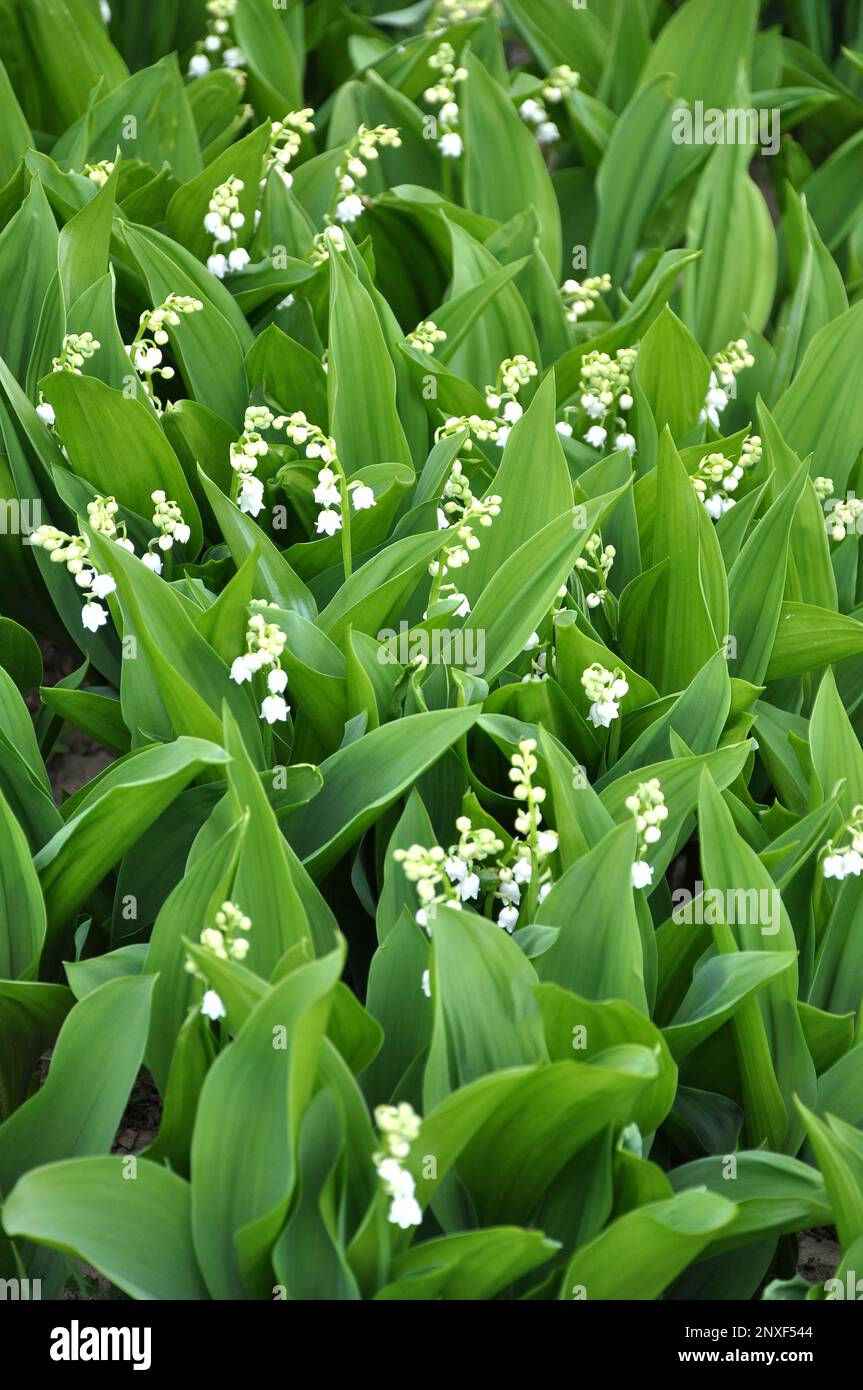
<point x="218" y="44"/>
<point x="399" y="1126"/>
<point x="606" y="398"/>
<point x="717" y="476"/>
<point x="145" y="349"/>
<point x="525" y="868"/>
<point x="500" y="398"/>
<point x="580" y="296"/>
<point x="227" y="939"/>
<point x="248" y="490"/>
<point x="99" y="173"/>
<point x="75" y="350"/>
<point x="286" y="138"/>
<point x="74" y="552"/>
<point x="346" y="204"/>
<point x="478" y="870"/>
<point x="442" y="94"/>
<point x="604" y="689"/>
<point x="451" y="877"/>
<point x="333" y="494"/>
<point x="842" y="856"/>
<point x="224" y="221"/>
<point x="265" y="643"/>
<point x="596" y="560"/>
<point x="560" y="82"/>
<point x="459" y="513"/>
<point x="726" y="367"/>
<point x="171" y="528"/>
<point x="425" y="337"/>
<point x="647" y="804"/>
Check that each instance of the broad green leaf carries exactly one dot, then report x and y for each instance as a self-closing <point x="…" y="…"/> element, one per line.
<point x="644" y="1251"/>
<point x="363" y="779"/>
<point x="146" y="1247"/>
<point x="261" y="1083"/>
<point x="106" y="823"/>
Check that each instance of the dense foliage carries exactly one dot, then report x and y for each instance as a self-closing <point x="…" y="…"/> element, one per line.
<point x="435" y="429"/>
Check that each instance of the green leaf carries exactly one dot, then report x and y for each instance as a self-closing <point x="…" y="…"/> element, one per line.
<point x="260" y="1084"/>
<point x="75" y="53"/>
<point x="598" y="953"/>
<point x="361" y="378"/>
<point x="116" y="445"/>
<point x="772" y="1055"/>
<point x="107" y="822"/>
<point x="497" y="138"/>
<point x="757" y="582"/>
<point x="821" y="413"/>
<point x="673" y="372"/>
<point x="363" y="779"/>
<point x="475" y="1265"/>
<point x="22" y="909"/>
<point x="28" y="259"/>
<point x="146" y="1247"/>
<point x="644" y="1251"/>
<point x="30" y="1018"/>
<point x="95" y="1061"/>
<point x="485" y="1016"/>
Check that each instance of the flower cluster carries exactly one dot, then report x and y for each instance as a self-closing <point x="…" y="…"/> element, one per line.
<point x="425" y="336"/>
<point x="168" y="521"/>
<point x="460" y="512"/>
<point x="245" y="453"/>
<point x="347" y="205"/>
<point x="442" y="94"/>
<point x="399" y="1126"/>
<point x="598" y="561"/>
<point x="512" y="374"/>
<point x="456" y="11"/>
<point x="823" y="488"/>
<point x="448" y="876"/>
<point x="535" y="846"/>
<point x="714" y="478"/>
<point x="606" y="396"/>
<point x="74" y="553"/>
<point x="840" y="861"/>
<point x="560" y="81"/>
<point x="579" y="296"/>
<point x="324" y="242"/>
<point x="332" y="488"/>
<point x="605" y="689"/>
<point x="224" y="221"/>
<point x="218" y="42"/>
<point x="647" y="804"/>
<point x="75" y="350"/>
<point x="265" y="643"/>
<point x="228" y="939"/>
<point x="726" y="367"/>
<point x="476" y="865"/>
<point x="286" y="137"/>
<point x="843" y="518"/>
<point x="145" y="349"/>
<point x="99" y="173"/>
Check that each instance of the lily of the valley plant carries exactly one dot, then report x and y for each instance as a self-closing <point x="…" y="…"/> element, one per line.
<point x="432" y="488"/>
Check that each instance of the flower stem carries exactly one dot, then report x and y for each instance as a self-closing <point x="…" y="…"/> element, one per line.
<point x="346" y="522"/>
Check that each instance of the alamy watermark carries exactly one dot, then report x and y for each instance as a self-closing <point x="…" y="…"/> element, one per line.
<point x="761" y="907"/>
<point x="440" y="646"/>
<point x="749" y="125"/>
<point x="20" y="517"/>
